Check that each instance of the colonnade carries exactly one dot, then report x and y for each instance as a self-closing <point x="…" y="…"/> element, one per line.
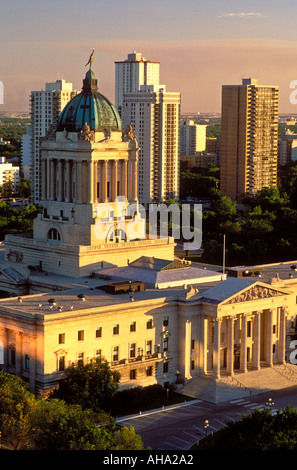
<point x="262" y="341"/>
<point x="261" y="335"/>
<point x="85" y="181"/>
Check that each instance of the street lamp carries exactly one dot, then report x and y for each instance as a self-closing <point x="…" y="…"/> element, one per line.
<point x="177" y="373"/>
<point x="206" y="424"/>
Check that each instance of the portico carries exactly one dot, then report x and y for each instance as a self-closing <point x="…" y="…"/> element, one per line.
<point x="244" y="331"/>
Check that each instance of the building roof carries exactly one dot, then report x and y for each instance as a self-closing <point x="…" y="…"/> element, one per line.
<point x="158" y="277"/>
<point x="89" y="107"/>
<point x="226" y="289"/>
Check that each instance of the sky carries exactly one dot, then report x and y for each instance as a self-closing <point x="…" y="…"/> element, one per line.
<point x="201" y="45"/>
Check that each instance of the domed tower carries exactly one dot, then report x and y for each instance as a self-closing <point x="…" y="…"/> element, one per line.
<point x="90" y="215"/>
<point x="89" y="107"/>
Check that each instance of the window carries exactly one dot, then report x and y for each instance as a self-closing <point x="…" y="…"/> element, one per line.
<point x="53" y="234"/>
<point x="193" y="344"/>
<point x="165" y="344"/>
<point x="132" y="350"/>
<point x="149" y="324"/>
<point x="98" y="353"/>
<point x="165" y="321"/>
<point x="116" y="329"/>
<point x="192" y="365"/>
<point x="165" y="367"/>
<point x="133" y="326"/>
<point x="80" y="359"/>
<point x="99" y="332"/>
<point x="12" y="356"/>
<point x="62" y="338"/>
<point x="61" y="363"/>
<point x="115" y="353"/>
<point x="80" y="335"/>
<point x="149" y="371"/>
<point x="148" y="347"/>
<point x="249" y="329"/>
<point x="133" y="374"/>
<point x="27" y="362"/>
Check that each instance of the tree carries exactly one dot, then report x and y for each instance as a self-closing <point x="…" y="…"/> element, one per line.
<point x="55" y="425"/>
<point x="259" y="430"/>
<point x="16" y="403"/>
<point x="127" y="439"/>
<point x="91" y="385"/>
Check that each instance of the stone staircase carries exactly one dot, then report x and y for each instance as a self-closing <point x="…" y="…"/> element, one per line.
<point x="241" y="385"/>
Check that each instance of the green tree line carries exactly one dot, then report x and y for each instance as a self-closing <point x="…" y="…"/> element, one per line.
<point x="75" y="422"/>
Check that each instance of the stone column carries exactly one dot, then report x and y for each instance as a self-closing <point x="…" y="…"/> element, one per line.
<point x="68" y="181"/>
<point x="130" y="180"/>
<point x="282" y="337"/>
<point x="243" y="344"/>
<point x="43" y="179"/>
<point x="269" y="356"/>
<point x="230" y="346"/>
<point x="216" y="349"/>
<point x="104" y="181"/>
<point x="48" y="179"/>
<point x="73" y="181"/>
<point x="95" y="179"/>
<point x="60" y="181"/>
<point x="90" y="182"/>
<point x="134" y="180"/>
<point x="124" y="179"/>
<point x="19" y="353"/>
<point x="53" y="182"/>
<point x="32" y="373"/>
<point x="256" y="338"/>
<point x="187" y="346"/>
<point x="78" y="182"/>
<point x="114" y="180"/>
<point x="205" y="345"/>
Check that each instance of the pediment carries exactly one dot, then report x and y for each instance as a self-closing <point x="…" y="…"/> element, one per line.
<point x="255" y="292"/>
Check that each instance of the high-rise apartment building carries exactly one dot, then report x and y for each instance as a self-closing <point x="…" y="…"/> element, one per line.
<point x="131" y="74"/>
<point x="249" y="138"/>
<point x="287" y="148"/>
<point x="154" y="114"/>
<point x="192" y="137"/>
<point x="45" y="107"/>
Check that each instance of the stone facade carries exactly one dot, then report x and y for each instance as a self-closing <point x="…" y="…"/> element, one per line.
<point x="149" y="337"/>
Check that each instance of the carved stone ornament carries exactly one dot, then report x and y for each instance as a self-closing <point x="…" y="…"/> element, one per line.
<point x="86" y="134"/>
<point x="129" y="133"/>
<point x="255" y="293"/>
<point x="51" y="134"/>
<point x="191" y="292"/>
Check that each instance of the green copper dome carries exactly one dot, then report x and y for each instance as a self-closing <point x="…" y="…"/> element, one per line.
<point x="89" y="107"/>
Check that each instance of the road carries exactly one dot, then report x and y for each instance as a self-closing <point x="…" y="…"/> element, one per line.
<point x="180" y="427"/>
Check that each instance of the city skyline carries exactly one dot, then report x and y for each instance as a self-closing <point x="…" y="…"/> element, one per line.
<point x="214" y="44"/>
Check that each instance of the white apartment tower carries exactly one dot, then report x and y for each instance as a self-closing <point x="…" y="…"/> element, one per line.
<point x="45" y="106"/>
<point x="192" y="137"/>
<point x="154" y="114"/>
<point x="131" y="74"/>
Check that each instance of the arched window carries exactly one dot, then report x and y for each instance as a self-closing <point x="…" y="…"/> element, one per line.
<point x="53" y="234"/>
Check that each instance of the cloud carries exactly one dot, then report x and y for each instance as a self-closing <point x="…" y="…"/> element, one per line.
<point x="241" y="15"/>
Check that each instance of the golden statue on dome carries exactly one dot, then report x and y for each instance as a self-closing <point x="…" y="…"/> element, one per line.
<point x="91" y="60"/>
